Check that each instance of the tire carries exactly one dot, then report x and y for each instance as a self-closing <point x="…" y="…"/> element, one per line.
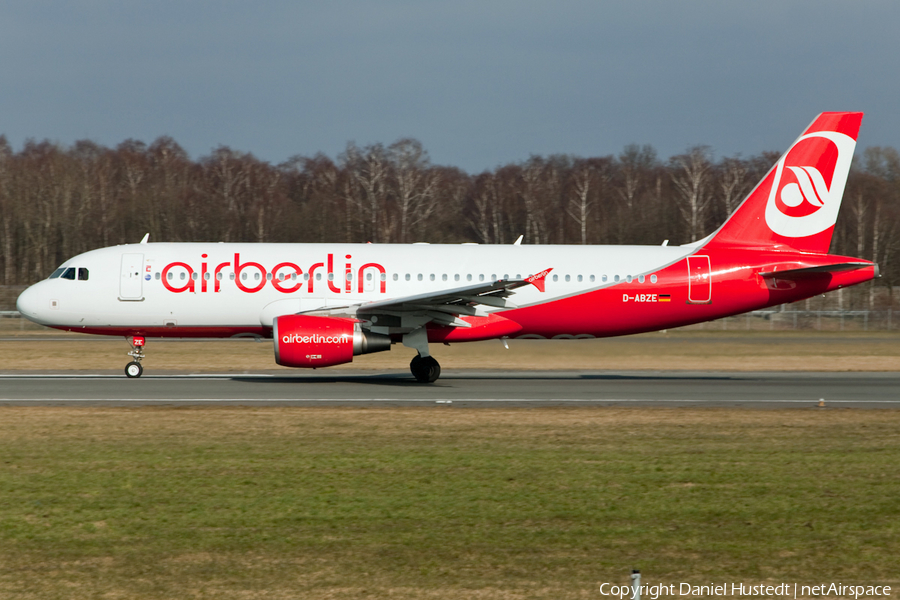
<point x="133" y="370"/>
<point x="425" y="369"/>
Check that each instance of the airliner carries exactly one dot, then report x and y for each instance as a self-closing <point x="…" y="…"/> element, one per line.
<point x="323" y="304"/>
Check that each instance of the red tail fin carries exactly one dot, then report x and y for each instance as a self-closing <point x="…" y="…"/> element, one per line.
<point x="797" y="202"/>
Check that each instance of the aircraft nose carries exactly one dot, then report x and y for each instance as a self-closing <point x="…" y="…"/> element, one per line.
<point x="28" y="303"/>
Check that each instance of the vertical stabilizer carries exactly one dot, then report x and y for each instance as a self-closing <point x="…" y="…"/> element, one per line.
<point x="796" y="204"/>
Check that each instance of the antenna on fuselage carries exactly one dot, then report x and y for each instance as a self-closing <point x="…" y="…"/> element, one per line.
<point x="665" y="242"/>
<point x="145" y="238"/>
<point x="518" y="242"/>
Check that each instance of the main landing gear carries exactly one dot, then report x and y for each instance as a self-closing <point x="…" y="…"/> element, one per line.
<point x="134" y="368"/>
<point x="425" y="368"/>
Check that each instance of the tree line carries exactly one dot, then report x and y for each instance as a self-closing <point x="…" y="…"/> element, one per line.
<point x="57" y="201"/>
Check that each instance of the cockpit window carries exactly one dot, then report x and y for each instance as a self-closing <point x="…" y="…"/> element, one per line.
<point x="82" y="274"/>
<point x="69" y="274"/>
<point x="56" y="273"/>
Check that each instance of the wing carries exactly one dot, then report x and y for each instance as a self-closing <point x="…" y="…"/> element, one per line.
<point x="443" y="307"/>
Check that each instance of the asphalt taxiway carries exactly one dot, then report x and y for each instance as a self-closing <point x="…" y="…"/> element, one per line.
<point x="461" y="388"/>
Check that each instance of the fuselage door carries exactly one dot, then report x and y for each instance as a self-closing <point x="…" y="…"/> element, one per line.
<point x="130" y="282"/>
<point x="699" y="280"/>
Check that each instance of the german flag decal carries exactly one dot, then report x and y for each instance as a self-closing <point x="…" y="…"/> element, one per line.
<point x="665" y="298"/>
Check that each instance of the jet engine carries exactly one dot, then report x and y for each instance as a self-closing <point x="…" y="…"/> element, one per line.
<point x="311" y="342"/>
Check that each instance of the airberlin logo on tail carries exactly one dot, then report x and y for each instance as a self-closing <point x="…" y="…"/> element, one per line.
<point x="809" y="183"/>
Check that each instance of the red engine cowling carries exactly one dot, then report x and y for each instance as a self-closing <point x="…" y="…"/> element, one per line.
<point x="304" y="341"/>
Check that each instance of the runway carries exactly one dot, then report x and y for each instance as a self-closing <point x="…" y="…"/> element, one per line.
<point x="461" y="389"/>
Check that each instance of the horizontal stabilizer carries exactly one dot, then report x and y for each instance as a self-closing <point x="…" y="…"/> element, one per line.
<point x="807" y="271"/>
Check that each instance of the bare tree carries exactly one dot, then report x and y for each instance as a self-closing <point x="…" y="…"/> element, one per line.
<point x="366" y="188"/>
<point x="587" y="177"/>
<point x="734" y="183"/>
<point x="691" y="176"/>
<point x="416" y="183"/>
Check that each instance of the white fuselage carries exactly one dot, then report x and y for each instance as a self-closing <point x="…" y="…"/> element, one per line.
<point x="201" y="285"/>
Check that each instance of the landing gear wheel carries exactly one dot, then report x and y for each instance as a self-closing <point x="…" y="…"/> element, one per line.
<point x="425" y="369"/>
<point x="133" y="369"/>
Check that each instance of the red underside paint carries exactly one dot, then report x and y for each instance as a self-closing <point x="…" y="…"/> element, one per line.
<point x="483" y="328"/>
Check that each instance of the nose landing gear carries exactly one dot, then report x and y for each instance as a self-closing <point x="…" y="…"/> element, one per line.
<point x="134" y="368"/>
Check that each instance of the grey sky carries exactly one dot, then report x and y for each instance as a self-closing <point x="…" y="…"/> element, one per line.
<point x="479" y="83"/>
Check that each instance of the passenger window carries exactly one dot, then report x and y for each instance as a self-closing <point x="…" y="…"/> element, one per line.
<point x="194" y="276"/>
<point x="419" y="277"/>
<point x="69" y="274"/>
<point x="55" y="274"/>
<point x="368" y="277"/>
<point x="556" y="278"/>
<point x="640" y="279"/>
<point x="493" y="277"/>
<point x="244" y="276"/>
<point x="603" y="279"/>
<point x="82" y="274"/>
<point x="158" y="276"/>
<point x="653" y="279"/>
<point x="350" y="276"/>
<point x="408" y="277"/>
<point x="396" y="276"/>
<point x="616" y="278"/>
<point x="444" y="277"/>
<point x="183" y="275"/>
<point x="384" y="276"/>
<point x="169" y="275"/>
<point x="628" y="278"/>
<point x="206" y="276"/>
<point x="469" y="277"/>
<point x="456" y="277"/>
<point x="568" y="278"/>
<point x="318" y="277"/>
<point x="431" y="277"/>
<point x="330" y="277"/>
<point x="231" y="276"/>
<point x="580" y="278"/>
<point x="593" y="278"/>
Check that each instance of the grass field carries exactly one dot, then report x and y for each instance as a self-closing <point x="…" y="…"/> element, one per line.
<point x="439" y="503"/>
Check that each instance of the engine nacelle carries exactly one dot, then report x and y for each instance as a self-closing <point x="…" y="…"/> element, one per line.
<point x="304" y="341"/>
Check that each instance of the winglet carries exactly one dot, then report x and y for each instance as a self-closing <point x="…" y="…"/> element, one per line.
<point x="538" y="279"/>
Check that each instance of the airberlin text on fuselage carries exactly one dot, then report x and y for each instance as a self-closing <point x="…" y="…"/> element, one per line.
<point x="280" y="277"/>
